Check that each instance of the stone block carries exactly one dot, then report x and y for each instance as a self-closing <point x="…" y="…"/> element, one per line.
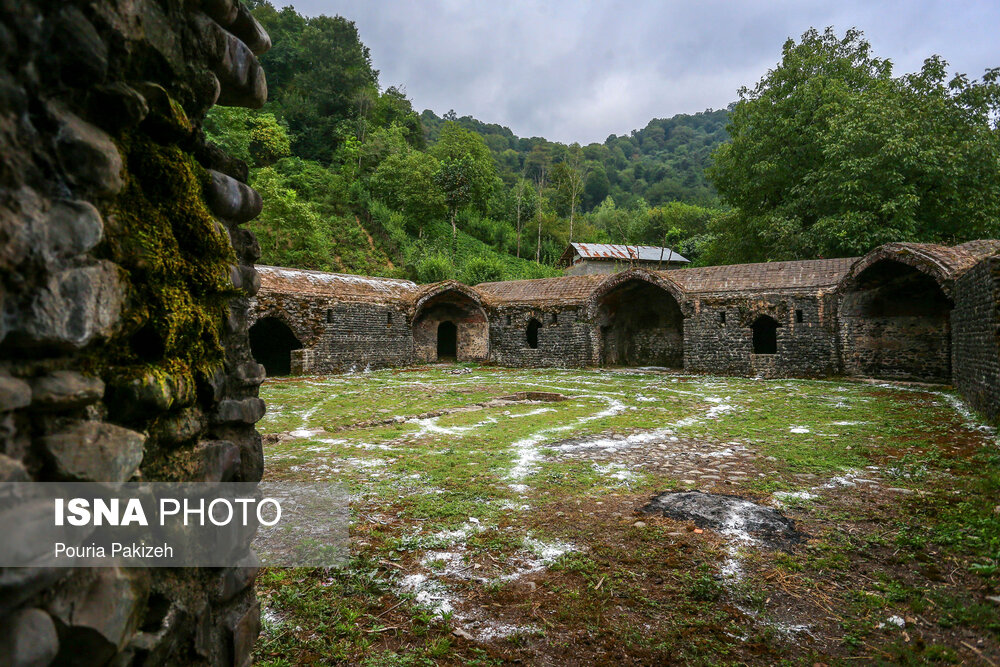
<point x="65" y="390"/>
<point x="73" y="308"/>
<point x="14" y="393"/>
<point x="72" y="228"/>
<point x="246" y="411"/>
<point x="87" y="155"/>
<point x="98" y="621"/>
<point x="95" y="452"/>
<point x="231" y="200"/>
<point x="28" y="638"/>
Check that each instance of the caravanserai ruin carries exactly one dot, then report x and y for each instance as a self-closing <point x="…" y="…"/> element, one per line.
<point x="904" y="311"/>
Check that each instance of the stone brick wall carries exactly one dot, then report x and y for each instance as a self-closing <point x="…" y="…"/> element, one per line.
<point x="564" y="338"/>
<point x="124" y="285"/>
<point x="894" y="323"/>
<point x="340" y="335"/>
<point x="975" y="326"/>
<point x="717" y="343"/>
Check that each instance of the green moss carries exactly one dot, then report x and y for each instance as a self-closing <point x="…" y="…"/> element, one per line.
<point x="176" y="259"/>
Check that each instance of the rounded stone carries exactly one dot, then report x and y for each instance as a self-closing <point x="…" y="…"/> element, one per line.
<point x="95" y="452"/>
<point x="73" y="228"/>
<point x="65" y="390"/>
<point x="28" y="638"/>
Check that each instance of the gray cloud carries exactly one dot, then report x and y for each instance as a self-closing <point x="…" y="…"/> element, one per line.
<point x="579" y="71"/>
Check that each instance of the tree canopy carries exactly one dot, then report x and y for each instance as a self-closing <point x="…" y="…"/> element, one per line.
<point x="831" y="155"/>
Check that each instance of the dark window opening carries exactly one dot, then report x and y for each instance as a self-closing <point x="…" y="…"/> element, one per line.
<point x="508" y="320"/>
<point x="329" y="315"/>
<point x="388" y="319"/>
<point x="722" y="317"/>
<point x="447" y="340"/>
<point x="271" y="343"/>
<point x="555" y="318"/>
<point x="798" y="316"/>
<point x="533" y="327"/>
<point x="765" y="335"/>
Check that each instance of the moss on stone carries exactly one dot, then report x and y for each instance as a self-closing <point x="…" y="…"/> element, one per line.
<point x="176" y="258"/>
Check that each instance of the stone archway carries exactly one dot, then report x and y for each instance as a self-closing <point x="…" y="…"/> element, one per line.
<point x="640" y="323"/>
<point x="895" y="323"/>
<point x="272" y="342"/>
<point x="450" y="319"/>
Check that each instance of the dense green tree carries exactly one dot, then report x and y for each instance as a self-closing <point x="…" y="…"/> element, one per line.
<point x="406" y="182"/>
<point x="830" y="155"/>
<point x="466" y="172"/>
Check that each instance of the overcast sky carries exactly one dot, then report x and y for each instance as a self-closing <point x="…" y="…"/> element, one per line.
<point x="579" y="71"/>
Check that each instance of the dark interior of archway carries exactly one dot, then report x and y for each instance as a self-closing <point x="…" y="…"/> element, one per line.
<point x="532" y="333"/>
<point x="272" y="342"/>
<point x="765" y="335"/>
<point x="642" y="325"/>
<point x="447" y="340"/>
<point x="896" y="324"/>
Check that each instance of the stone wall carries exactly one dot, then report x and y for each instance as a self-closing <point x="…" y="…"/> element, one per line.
<point x="975" y="326"/>
<point x="340" y="335"/>
<point x="124" y="286"/>
<point x="718" y="337"/>
<point x="564" y="338"/>
<point x="894" y="324"/>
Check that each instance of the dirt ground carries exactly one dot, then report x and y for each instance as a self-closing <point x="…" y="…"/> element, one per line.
<point x="494" y="526"/>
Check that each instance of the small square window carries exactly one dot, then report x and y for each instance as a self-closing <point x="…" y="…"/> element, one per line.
<point x="388" y="319"/>
<point x="329" y="315"/>
<point x="722" y="317"/>
<point x="798" y="316"/>
<point x="507" y="320"/>
<point x="555" y="318"/>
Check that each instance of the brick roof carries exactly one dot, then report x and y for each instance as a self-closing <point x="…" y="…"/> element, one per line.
<point x="809" y="274"/>
<point x="341" y="286"/>
<point x="564" y="291"/>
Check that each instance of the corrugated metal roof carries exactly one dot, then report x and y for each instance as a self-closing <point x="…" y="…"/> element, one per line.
<point x="640" y="253"/>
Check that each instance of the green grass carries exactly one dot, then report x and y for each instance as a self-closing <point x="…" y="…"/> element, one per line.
<point x="491" y="483"/>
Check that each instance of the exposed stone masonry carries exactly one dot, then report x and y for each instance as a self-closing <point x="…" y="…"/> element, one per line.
<point x="124" y="284"/>
<point x="904" y="311"/>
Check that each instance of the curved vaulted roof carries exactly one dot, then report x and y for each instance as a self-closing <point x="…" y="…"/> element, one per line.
<point x="341" y="286"/>
<point x="810" y="274"/>
<point x="944" y="263"/>
<point x="564" y="291"/>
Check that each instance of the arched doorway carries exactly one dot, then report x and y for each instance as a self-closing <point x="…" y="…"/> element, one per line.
<point x="641" y="324"/>
<point x="895" y="323"/>
<point x="450" y="323"/>
<point x="271" y="343"/>
<point x="765" y="335"/>
<point x="447" y="340"/>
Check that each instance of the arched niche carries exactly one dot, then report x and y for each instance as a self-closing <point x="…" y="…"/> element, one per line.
<point x="450" y="310"/>
<point x="640" y="323"/>
<point x="271" y="343"/>
<point x="895" y="323"/>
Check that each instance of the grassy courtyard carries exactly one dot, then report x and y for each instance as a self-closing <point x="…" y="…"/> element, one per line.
<point x="496" y="517"/>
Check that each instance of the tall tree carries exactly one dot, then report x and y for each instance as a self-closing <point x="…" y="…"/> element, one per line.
<point x="466" y="173"/>
<point x="831" y="155"/>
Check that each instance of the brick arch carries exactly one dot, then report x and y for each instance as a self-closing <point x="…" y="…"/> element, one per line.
<point x="617" y="280"/>
<point x="638" y="317"/>
<point x="894" y="314"/>
<point x="919" y="256"/>
<point x="308" y="333"/>
<point x="450" y="307"/>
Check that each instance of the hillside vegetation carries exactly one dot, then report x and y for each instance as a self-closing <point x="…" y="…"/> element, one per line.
<point x="829" y="155"/>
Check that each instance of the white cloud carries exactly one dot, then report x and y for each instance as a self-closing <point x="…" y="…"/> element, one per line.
<point x="579" y="71"/>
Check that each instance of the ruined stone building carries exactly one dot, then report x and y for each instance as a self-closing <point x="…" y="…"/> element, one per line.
<point x="905" y="311"/>
<point x="125" y="276"/>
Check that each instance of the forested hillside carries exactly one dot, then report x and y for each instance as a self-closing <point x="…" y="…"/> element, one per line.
<point x="829" y="155"/>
